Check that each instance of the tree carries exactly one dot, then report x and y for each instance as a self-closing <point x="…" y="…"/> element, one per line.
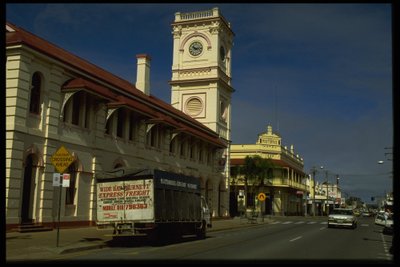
<point x="256" y="169"/>
<point x="235" y="172"/>
<point x="248" y="170"/>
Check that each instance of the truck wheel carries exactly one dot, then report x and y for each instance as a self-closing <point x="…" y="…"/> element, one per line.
<point x="154" y="236"/>
<point x="201" y="233"/>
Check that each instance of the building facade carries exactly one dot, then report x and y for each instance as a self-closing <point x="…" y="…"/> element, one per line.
<point x="327" y="197"/>
<point x="201" y="77"/>
<point x="54" y="99"/>
<point x="287" y="187"/>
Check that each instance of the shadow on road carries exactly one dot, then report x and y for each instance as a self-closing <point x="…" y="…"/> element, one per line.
<point x="142" y="241"/>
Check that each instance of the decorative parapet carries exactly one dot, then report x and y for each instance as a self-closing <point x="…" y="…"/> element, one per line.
<point x="255" y="149"/>
<point x="196" y="15"/>
<point x="195" y="72"/>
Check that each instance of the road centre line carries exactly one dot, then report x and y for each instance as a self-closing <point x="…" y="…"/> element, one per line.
<point x="296" y="238"/>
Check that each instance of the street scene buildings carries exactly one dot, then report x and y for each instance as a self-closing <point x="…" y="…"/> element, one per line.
<point x="55" y="99"/>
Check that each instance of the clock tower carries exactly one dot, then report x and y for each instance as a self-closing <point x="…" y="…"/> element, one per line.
<point x="201" y="68"/>
<point x="201" y="73"/>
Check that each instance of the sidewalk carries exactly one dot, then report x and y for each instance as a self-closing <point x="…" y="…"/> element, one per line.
<point x="42" y="246"/>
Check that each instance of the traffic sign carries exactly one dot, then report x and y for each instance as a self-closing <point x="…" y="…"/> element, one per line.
<point x="261" y="196"/>
<point x="62" y="159"/>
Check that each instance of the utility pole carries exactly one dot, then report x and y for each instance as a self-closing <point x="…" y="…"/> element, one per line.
<point x="337" y="190"/>
<point x="313" y="201"/>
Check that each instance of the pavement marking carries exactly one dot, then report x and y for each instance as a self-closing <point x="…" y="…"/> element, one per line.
<point x="311" y="222"/>
<point x="384" y="256"/>
<point x="296" y="238"/>
<point x="324" y="223"/>
<point x="126" y="252"/>
<point x="73" y="254"/>
<point x="287" y="222"/>
<point x="385" y="247"/>
<point x="322" y="228"/>
<point x="299" y="222"/>
<point x="275" y="222"/>
<point x="364" y="224"/>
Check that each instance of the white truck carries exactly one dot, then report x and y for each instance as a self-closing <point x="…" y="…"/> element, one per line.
<point x="151" y="202"/>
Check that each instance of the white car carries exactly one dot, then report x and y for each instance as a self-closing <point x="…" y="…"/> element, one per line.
<point x="342" y="217"/>
<point x="380" y="219"/>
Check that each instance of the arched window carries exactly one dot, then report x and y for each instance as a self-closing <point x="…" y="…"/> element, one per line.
<point x="155" y="137"/>
<point x="121" y="118"/>
<point x="182" y="147"/>
<point x="79" y="110"/>
<point x="34" y="105"/>
<point x="109" y="125"/>
<point x="192" y="149"/>
<point x="71" y="190"/>
<point x="172" y="145"/>
<point x="200" y="157"/>
<point x="133" y="126"/>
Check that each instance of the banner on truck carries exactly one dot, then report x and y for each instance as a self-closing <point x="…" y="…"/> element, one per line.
<point x="127" y="200"/>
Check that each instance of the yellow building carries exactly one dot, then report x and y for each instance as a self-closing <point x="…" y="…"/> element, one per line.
<point x="288" y="187"/>
<point x="55" y="98"/>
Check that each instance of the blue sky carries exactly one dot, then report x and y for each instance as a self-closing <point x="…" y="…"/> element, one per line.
<point x="320" y="74"/>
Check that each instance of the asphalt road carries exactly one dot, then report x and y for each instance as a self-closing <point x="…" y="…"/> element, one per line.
<point x="286" y="239"/>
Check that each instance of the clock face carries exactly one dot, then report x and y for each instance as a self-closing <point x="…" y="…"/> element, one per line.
<point x="195" y="48"/>
<point x="222" y="53"/>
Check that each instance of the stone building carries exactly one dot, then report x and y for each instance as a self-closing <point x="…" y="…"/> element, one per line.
<point x="55" y="98"/>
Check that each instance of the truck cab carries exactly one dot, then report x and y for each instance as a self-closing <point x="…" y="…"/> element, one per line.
<point x="206" y="214"/>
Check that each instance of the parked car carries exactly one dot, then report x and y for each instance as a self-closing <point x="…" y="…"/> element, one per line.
<point x="342" y="217"/>
<point x="380" y="219"/>
<point x="388" y="229"/>
<point x="387" y="224"/>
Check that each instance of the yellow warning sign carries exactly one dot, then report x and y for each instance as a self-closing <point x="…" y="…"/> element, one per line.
<point x="62" y="159"/>
<point x="261" y="196"/>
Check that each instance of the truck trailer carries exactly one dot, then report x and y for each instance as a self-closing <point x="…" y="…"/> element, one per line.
<point x="152" y="203"/>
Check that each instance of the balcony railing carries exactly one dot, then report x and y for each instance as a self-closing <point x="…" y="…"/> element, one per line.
<point x="283" y="182"/>
<point x="286" y="182"/>
<point x="196" y="15"/>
